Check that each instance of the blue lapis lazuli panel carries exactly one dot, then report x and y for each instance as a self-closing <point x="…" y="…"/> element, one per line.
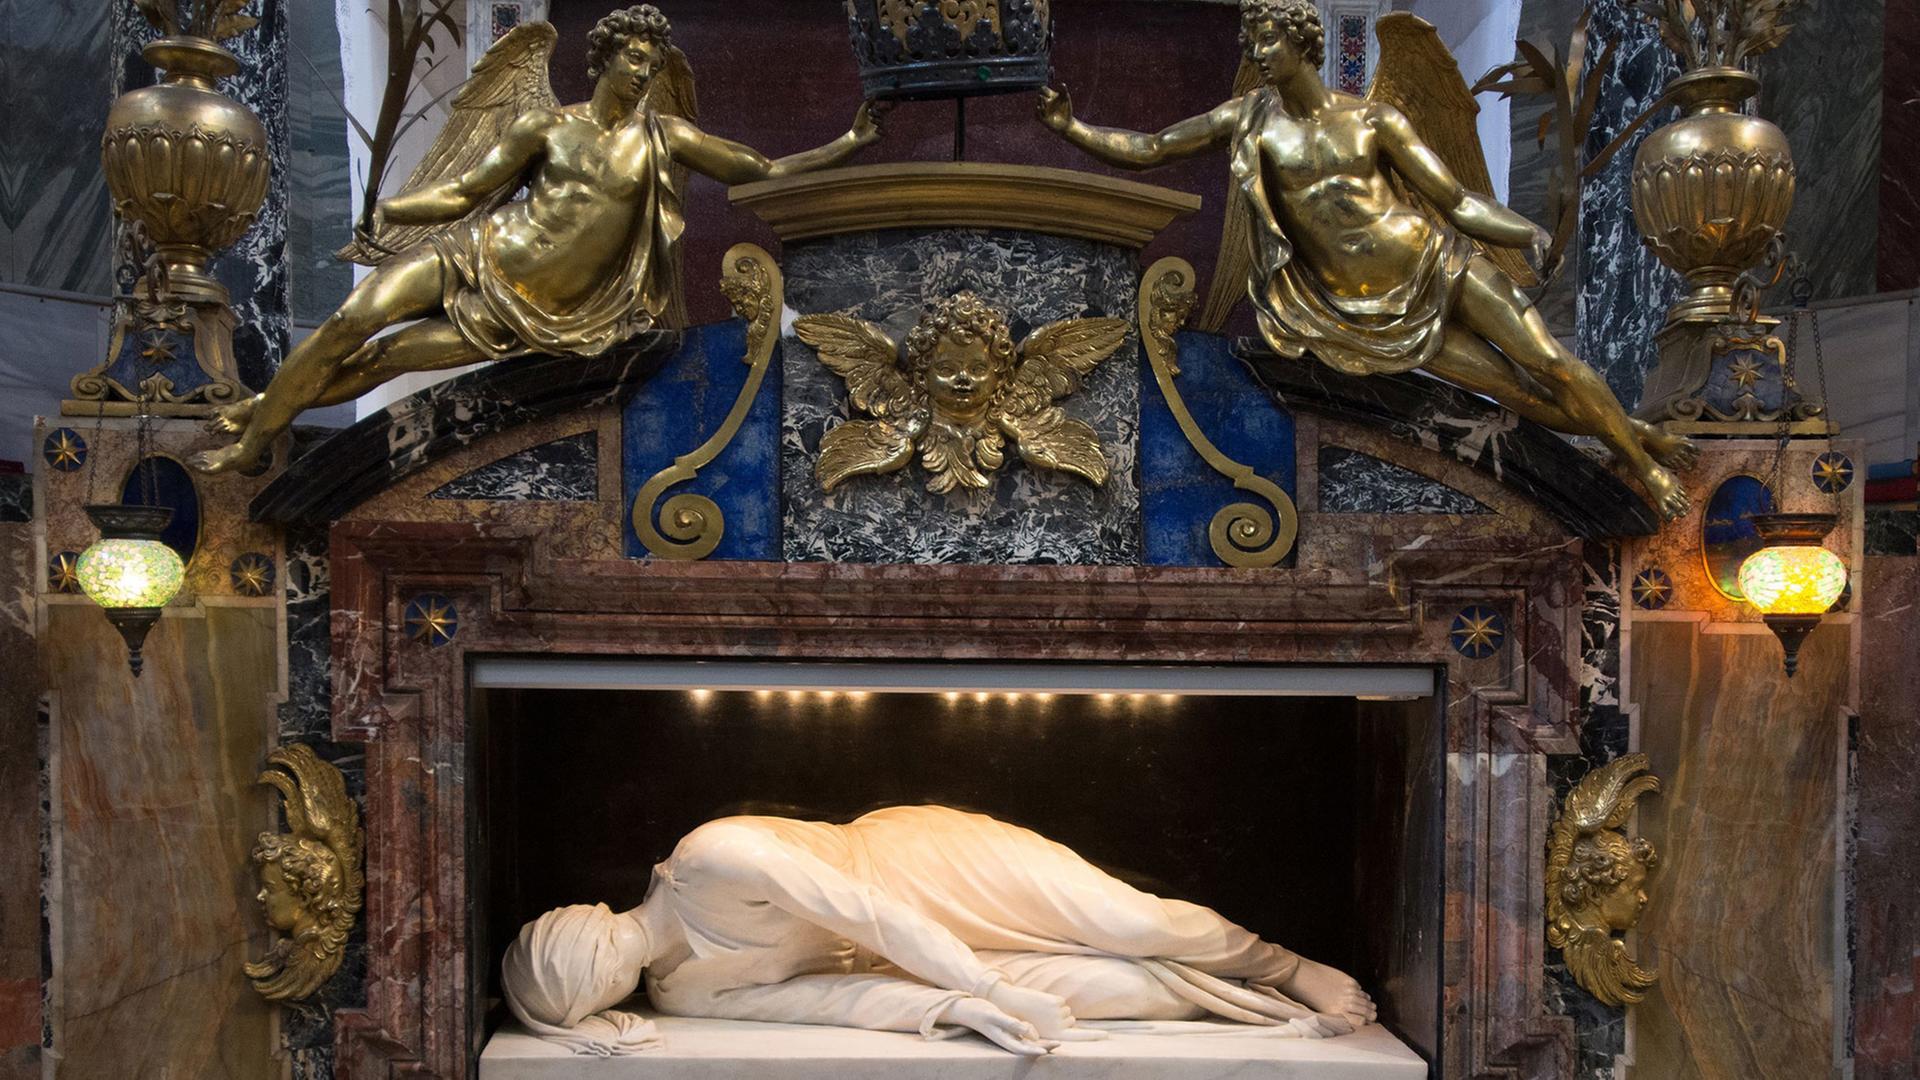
<point x="678" y="409"/>
<point x="1179" y="492"/>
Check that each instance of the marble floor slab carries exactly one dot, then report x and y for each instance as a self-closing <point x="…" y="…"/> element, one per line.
<point x="702" y="1049"/>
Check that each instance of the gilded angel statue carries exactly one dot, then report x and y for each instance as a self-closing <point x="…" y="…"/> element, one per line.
<point x="585" y="261"/>
<point x="1596" y="880"/>
<point x="1366" y="244"/>
<point x="310" y="878"/>
<point x="964" y="393"/>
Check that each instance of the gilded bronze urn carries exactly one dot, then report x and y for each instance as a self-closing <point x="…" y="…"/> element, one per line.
<point x="187" y="162"/>
<point x="1711" y="191"/>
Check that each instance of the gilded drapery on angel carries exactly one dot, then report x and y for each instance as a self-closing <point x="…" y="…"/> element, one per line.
<point x="1362" y="233"/>
<point x="586" y="260"/>
<point x="964" y="393"/>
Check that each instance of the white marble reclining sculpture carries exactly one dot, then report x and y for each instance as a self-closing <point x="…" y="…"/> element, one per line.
<point x="914" y="918"/>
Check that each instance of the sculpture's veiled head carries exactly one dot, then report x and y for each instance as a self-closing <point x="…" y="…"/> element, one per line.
<point x="568" y="968"/>
<point x="1276" y="34"/>
<point x="962" y="354"/>
<point x="629" y="46"/>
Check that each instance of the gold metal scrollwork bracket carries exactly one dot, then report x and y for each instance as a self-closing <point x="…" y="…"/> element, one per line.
<point x="310" y="878"/>
<point x="690" y="526"/>
<point x="1596" y="878"/>
<point x="1243" y="534"/>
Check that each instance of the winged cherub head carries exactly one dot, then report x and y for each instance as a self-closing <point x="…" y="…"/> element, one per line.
<point x="966" y="390"/>
<point x="629" y="46"/>
<point x="1267" y="25"/>
<point x="1596" y="880"/>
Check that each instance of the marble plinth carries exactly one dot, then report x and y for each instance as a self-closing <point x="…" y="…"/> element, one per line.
<point x="701" y="1049"/>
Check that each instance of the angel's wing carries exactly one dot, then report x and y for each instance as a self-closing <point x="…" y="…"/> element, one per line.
<point x="862" y="448"/>
<point x="1236" y="253"/>
<point x="1053" y="440"/>
<point x="1055" y="358"/>
<point x="867" y="358"/>
<point x="1419" y="77"/>
<point x="1599" y="962"/>
<point x="511" y="79"/>
<point x="671" y="93"/>
<point x="1605" y="797"/>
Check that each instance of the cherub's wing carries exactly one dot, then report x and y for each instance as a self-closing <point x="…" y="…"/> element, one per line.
<point x="511" y="79"/>
<point x="862" y="448"/>
<point x="671" y="93"/>
<point x="1055" y="358"/>
<point x="1053" y="440"/>
<point x="1419" y="77"/>
<point x="1605" y="797"/>
<point x="867" y="358"/>
<point x="1236" y="251"/>
<point x="1599" y="962"/>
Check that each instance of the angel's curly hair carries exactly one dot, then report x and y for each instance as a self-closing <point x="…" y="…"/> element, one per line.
<point x="311" y="869"/>
<point x="962" y="317"/>
<point x="607" y="35"/>
<point x="1599" y="863"/>
<point x="1299" y="19"/>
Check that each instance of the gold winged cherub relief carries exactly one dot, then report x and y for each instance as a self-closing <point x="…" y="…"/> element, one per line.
<point x="1361" y="230"/>
<point x="586" y="260"/>
<point x="1596" y="880"/>
<point x="310" y="878"/>
<point x="965" y="391"/>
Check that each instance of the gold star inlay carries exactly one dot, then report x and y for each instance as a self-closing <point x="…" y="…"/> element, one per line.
<point x="64" y="451"/>
<point x="1477" y="632"/>
<point x="432" y="621"/>
<point x="1652" y="589"/>
<point x="1832" y="473"/>
<point x="1745" y="372"/>
<point x="64" y="575"/>
<point x="252" y="575"/>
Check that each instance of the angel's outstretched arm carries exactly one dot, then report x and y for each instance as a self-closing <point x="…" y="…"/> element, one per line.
<point x="1139" y="150"/>
<point x="735" y="163"/>
<point x="1471" y="213"/>
<point x="451" y="200"/>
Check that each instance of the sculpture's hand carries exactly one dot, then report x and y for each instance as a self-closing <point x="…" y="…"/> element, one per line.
<point x="1538" y="251"/>
<point x="1007" y="1032"/>
<point x="1047" y="1013"/>
<point x="1056" y="109"/>
<point x="377" y="221"/>
<point x="866" y="122"/>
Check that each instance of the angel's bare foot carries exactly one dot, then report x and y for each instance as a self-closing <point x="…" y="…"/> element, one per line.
<point x="235" y="458"/>
<point x="1673" y="451"/>
<point x="1333" y="994"/>
<point x="233" y="419"/>
<point x="1671" y="499"/>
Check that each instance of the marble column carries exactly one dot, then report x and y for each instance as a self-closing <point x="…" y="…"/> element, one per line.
<point x="1624" y="291"/>
<point x="254" y="270"/>
<point x="54" y="220"/>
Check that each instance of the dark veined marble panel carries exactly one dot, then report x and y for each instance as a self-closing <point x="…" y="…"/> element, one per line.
<point x="1624" y="290"/>
<point x="16" y="497"/>
<point x="1355" y="483"/>
<point x="566" y="470"/>
<point x="1892" y="532"/>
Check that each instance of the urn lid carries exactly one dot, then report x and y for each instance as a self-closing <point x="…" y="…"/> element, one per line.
<point x="184" y="54"/>
<point x="912" y="49"/>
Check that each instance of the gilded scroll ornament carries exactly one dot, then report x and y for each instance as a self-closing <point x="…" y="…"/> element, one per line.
<point x="965" y="392"/>
<point x="1242" y="534"/>
<point x="1596" y="880"/>
<point x="586" y="261"/>
<point x="691" y="526"/>
<point x="310" y="878"/>
<point x="1381" y="252"/>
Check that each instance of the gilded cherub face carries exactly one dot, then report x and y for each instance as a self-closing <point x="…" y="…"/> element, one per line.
<point x="1622" y="905"/>
<point x="963" y="378"/>
<point x="284" y="909"/>
<point x="632" y="65"/>
<point x="1281" y="36"/>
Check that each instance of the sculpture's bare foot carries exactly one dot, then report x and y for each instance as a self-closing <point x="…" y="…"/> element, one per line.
<point x="1669" y="497"/>
<point x="1673" y="451"/>
<point x="1334" y="995"/>
<point x="233" y="419"/>
<point x="233" y="458"/>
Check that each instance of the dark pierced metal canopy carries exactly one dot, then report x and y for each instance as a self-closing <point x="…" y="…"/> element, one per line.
<point x="914" y="49"/>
